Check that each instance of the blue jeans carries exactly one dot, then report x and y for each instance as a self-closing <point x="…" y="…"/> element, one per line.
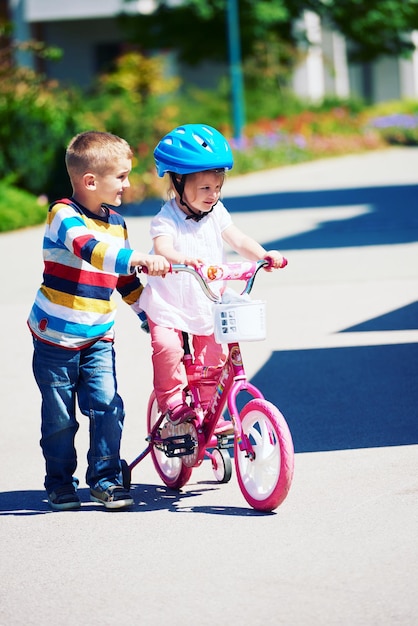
<point x="88" y="376"/>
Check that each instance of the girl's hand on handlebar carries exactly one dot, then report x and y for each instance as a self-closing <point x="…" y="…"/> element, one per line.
<point x="275" y="259"/>
<point x="192" y="261"/>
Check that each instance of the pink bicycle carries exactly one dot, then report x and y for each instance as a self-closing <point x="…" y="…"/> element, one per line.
<point x="259" y="435"/>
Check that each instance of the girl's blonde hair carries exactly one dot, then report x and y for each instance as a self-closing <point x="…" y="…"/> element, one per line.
<point x="95" y="152"/>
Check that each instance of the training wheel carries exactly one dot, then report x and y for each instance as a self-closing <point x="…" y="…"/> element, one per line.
<point x="221" y="465"/>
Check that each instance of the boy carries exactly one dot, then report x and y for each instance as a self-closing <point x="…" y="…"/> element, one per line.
<point x="86" y="257"/>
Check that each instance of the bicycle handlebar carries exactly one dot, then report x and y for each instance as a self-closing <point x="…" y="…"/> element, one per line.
<point x="243" y="270"/>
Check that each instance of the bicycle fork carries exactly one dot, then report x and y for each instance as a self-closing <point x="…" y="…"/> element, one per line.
<point x="240" y="383"/>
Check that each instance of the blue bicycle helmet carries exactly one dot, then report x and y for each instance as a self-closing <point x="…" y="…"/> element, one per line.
<point x="192" y="148"/>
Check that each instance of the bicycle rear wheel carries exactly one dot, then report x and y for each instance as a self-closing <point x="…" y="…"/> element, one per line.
<point x="265" y="479"/>
<point x="170" y="469"/>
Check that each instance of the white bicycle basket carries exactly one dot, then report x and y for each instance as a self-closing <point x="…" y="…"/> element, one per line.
<point x="240" y="321"/>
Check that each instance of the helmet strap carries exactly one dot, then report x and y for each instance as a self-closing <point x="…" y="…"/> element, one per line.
<point x="179" y="187"/>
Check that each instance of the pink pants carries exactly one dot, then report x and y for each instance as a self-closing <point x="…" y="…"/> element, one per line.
<point x="169" y="373"/>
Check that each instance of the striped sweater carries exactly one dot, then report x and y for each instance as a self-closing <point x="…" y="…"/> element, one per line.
<point x="86" y="257"/>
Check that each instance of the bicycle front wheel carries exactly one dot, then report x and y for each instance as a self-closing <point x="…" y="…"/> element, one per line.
<point x="265" y="476"/>
<point x="170" y="469"/>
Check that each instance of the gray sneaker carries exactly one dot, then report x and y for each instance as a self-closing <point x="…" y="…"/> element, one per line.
<point x="64" y="498"/>
<point x="114" y="497"/>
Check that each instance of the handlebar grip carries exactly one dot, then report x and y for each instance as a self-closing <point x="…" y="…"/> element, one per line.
<point x="144" y="269"/>
<point x="269" y="262"/>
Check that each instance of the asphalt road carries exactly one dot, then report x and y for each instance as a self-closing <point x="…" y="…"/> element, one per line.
<point x="340" y="361"/>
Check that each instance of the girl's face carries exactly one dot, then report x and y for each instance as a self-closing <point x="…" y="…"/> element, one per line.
<point x="202" y="190"/>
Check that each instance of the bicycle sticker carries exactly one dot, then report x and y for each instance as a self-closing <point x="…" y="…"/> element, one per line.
<point x="236" y="357"/>
<point x="228" y="271"/>
<point x="214" y="272"/>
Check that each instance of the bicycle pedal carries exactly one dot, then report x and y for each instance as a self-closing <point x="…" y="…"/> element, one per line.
<point x="182" y="440"/>
<point x="180" y="445"/>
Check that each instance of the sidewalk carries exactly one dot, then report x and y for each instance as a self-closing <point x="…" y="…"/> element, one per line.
<point x="392" y="166"/>
<point x="341" y="362"/>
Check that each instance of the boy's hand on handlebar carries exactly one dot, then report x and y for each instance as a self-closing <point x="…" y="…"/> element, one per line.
<point x="153" y="264"/>
<point x="275" y="259"/>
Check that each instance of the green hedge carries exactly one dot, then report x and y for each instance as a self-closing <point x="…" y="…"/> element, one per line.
<point x="19" y="208"/>
<point x="139" y="103"/>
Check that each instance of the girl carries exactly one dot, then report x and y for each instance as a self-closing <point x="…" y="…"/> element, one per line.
<point x="190" y="229"/>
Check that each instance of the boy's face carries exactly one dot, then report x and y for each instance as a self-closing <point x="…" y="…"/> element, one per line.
<point x="110" y="186"/>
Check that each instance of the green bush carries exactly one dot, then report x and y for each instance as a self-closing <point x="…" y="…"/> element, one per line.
<point x="313" y="133"/>
<point x="34" y="136"/>
<point x="267" y="150"/>
<point x="209" y="106"/>
<point x="134" y="101"/>
<point x="19" y="208"/>
<point x="36" y="121"/>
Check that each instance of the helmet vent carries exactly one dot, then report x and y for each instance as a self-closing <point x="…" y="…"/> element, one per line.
<point x="202" y="142"/>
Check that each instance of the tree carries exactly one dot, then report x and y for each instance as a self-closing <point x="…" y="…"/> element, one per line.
<point x="372" y="28"/>
<point x="36" y="119"/>
<point x="196" y="28"/>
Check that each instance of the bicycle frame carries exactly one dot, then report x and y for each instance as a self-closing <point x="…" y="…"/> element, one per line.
<point x="259" y="434"/>
<point x="232" y="379"/>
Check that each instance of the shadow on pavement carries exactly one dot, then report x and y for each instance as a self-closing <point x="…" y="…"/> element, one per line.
<point x="350" y="397"/>
<point x="405" y="318"/>
<point x="332" y="398"/>
<point x="392" y="216"/>
<point x="344" y="398"/>
<point x="23" y="503"/>
<point x="147" y="498"/>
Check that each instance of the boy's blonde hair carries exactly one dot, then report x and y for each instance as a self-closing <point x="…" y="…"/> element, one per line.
<point x="95" y="152"/>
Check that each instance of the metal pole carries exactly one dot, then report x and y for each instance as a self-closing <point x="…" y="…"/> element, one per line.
<point x="235" y="68"/>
